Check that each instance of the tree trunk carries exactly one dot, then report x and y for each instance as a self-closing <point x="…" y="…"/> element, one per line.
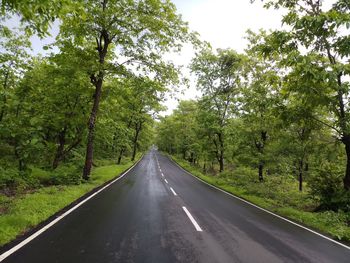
<point x="21" y="163"/>
<point x="121" y="155"/>
<point x="137" y="132"/>
<point x="301" y="169"/>
<point x="191" y="160"/>
<point x="260" y="145"/>
<point x="2" y="113"/>
<point x="102" y="47"/>
<point x="342" y="118"/>
<point x="221" y="161"/>
<point x="91" y="129"/>
<point x="221" y="152"/>
<point x="261" y="170"/>
<point x="346" y="180"/>
<point x="60" y="148"/>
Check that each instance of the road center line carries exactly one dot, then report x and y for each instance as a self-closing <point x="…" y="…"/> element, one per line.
<point x="165" y="180"/>
<point x="162" y="174"/>
<point x="173" y="191"/>
<point x="198" y="228"/>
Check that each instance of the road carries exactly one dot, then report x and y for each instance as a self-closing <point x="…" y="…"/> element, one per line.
<point x="159" y="213"/>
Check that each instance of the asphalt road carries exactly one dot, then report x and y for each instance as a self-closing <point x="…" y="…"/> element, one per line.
<point x="159" y="213"/>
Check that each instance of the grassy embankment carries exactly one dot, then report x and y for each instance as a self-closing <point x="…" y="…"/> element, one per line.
<point x="280" y="195"/>
<point x="21" y="212"/>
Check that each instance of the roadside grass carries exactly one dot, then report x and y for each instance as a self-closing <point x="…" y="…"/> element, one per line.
<point x="20" y="213"/>
<point x="279" y="195"/>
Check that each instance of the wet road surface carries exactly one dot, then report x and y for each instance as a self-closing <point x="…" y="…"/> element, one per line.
<point x="159" y="213"/>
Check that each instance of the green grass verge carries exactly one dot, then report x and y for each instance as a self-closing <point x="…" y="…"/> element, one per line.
<point x="23" y="212"/>
<point x="281" y="198"/>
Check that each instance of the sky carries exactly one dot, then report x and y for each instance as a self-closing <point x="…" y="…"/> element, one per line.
<point x="223" y="23"/>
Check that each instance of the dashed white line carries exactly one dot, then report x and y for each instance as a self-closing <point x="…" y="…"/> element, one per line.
<point x="162" y="174"/>
<point x="263" y="209"/>
<point x="198" y="228"/>
<point x="166" y="181"/>
<point x="173" y="191"/>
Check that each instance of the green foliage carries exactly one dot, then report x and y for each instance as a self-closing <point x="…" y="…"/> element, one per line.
<point x="45" y="103"/>
<point x="37" y="15"/>
<point x="66" y="175"/>
<point x="315" y="60"/>
<point x="326" y="186"/>
<point x="9" y="178"/>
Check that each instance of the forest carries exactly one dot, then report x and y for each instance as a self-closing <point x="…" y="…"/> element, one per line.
<point x="89" y="103"/>
<point x="274" y="120"/>
<point x="271" y="123"/>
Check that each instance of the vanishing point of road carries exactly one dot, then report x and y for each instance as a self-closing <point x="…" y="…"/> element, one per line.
<point x="159" y="213"/>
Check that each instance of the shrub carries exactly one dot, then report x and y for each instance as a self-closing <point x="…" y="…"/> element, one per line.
<point x="67" y="174"/>
<point x="42" y="176"/>
<point x="326" y="186"/>
<point x="12" y="180"/>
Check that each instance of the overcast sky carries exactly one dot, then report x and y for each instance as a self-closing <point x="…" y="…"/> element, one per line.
<point x="223" y="23"/>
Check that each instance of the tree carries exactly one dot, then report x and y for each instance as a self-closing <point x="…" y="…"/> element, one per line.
<point x="219" y="80"/>
<point x="14" y="61"/>
<point x="55" y="89"/>
<point x="260" y="95"/>
<point x="141" y="99"/>
<point x="37" y="15"/>
<point x="186" y="128"/>
<point x="322" y="64"/>
<point x="138" y="31"/>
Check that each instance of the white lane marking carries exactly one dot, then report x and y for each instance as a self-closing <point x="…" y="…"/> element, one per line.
<point x="44" y="228"/>
<point x="162" y="174"/>
<point x="198" y="228"/>
<point x="166" y="181"/>
<point x="263" y="209"/>
<point x="173" y="191"/>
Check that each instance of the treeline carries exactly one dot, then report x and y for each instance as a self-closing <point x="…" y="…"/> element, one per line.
<point x="94" y="96"/>
<point x="280" y="108"/>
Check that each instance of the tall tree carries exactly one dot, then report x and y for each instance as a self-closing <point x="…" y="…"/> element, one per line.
<point x="219" y="80"/>
<point x="259" y="97"/>
<point x="125" y="33"/>
<point x="318" y="50"/>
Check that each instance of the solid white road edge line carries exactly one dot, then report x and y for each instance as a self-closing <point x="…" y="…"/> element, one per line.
<point x="44" y="228"/>
<point x="173" y="191"/>
<point x="267" y="211"/>
<point x="165" y="180"/>
<point x="198" y="228"/>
